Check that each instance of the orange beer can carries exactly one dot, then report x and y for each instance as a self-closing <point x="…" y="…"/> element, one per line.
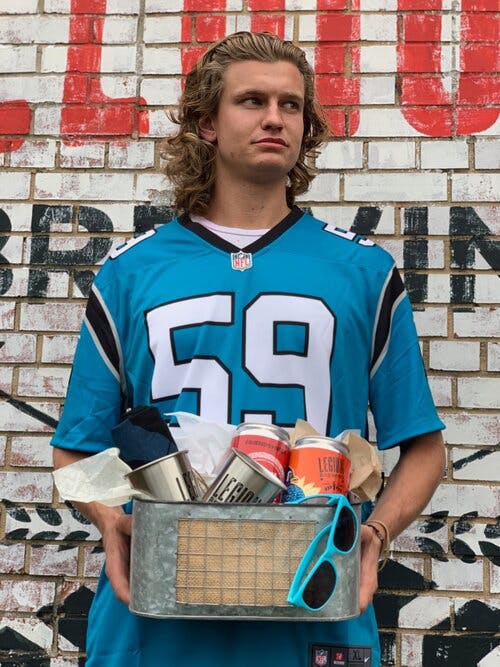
<point x="317" y="465"/>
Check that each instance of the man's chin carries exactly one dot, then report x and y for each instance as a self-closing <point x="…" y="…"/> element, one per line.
<point x="268" y="171"/>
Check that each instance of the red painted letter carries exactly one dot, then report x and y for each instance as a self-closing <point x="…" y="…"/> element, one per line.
<point x="334" y="55"/>
<point x="15" y="119"/>
<point x="467" y="106"/>
<point x="87" y="112"/>
<point x="266" y="22"/>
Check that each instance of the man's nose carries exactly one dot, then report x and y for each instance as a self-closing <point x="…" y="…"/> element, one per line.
<point x="273" y="116"/>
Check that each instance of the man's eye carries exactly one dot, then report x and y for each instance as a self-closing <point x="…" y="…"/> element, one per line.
<point x="253" y="101"/>
<point x="291" y="104"/>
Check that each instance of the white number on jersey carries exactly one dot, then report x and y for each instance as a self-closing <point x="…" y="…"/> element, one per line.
<point x="349" y="236"/>
<point x="308" y="370"/>
<point x="206" y="375"/>
<point x="311" y="370"/>
<point x="116" y="252"/>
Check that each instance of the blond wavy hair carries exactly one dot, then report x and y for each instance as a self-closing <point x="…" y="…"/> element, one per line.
<point x="190" y="160"/>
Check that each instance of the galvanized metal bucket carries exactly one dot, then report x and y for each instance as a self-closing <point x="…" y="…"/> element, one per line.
<point x="230" y="561"/>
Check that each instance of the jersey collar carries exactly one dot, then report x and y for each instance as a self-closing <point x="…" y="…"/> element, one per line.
<point x="295" y="214"/>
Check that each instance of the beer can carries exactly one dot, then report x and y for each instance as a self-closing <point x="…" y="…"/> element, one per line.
<point x="266" y="444"/>
<point x="317" y="465"/>
<point x="243" y="480"/>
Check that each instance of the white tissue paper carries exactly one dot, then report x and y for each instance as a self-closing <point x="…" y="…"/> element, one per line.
<point x="206" y="442"/>
<point x="100" y="478"/>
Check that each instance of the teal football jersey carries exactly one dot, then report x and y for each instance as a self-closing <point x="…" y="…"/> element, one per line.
<point x="308" y="322"/>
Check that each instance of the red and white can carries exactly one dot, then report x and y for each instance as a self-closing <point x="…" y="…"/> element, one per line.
<point x="266" y="444"/>
<point x="317" y="465"/>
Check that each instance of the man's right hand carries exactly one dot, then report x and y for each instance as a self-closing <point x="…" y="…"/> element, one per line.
<point x="114" y="526"/>
<point x="116" y="541"/>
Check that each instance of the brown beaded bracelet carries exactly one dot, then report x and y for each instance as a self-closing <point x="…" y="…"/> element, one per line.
<point x="384" y="538"/>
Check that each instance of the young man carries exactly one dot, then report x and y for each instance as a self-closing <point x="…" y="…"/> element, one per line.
<point x="246" y="305"/>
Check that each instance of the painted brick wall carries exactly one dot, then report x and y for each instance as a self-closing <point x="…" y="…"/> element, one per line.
<point x="412" y="96"/>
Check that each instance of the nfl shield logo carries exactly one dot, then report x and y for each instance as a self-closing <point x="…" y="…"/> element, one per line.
<point x="320" y="657"/>
<point x="240" y="261"/>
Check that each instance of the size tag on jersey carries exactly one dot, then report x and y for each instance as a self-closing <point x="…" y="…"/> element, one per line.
<point x="241" y="261"/>
<point x="329" y="655"/>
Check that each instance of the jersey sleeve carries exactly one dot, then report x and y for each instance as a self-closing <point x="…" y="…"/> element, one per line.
<point x="400" y="398"/>
<point x="96" y="390"/>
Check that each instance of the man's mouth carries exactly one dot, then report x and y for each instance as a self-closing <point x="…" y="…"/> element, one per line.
<point x="272" y="140"/>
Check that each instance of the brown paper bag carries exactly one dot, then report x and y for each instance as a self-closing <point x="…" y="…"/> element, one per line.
<point x="302" y="430"/>
<point x="366" y="470"/>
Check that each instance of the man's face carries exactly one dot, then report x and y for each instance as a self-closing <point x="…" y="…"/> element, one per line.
<point x="259" y="125"/>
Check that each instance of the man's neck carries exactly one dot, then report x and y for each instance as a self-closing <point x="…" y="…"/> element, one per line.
<point x="249" y="207"/>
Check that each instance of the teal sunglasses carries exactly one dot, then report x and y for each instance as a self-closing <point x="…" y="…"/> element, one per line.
<point x="315" y="580"/>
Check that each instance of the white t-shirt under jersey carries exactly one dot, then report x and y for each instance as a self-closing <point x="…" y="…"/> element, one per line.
<point x="236" y="235"/>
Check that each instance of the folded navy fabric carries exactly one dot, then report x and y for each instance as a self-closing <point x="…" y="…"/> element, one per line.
<point x="143" y="436"/>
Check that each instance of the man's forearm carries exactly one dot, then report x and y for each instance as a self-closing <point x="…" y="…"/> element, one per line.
<point x="411" y="483"/>
<point x="97" y="513"/>
<point x="114" y="526"/>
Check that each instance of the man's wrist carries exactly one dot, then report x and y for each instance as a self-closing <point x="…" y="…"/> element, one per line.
<point x="379" y="536"/>
<point x="102" y="516"/>
<point x="381" y="531"/>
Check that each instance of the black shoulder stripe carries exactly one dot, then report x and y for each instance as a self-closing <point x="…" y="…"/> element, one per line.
<point x="100" y="325"/>
<point x="394" y="289"/>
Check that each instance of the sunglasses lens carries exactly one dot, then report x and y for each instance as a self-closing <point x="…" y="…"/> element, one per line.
<point x="320" y="586"/>
<point x="345" y="531"/>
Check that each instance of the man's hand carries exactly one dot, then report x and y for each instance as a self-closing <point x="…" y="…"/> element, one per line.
<point x="116" y="541"/>
<point x="370" y="554"/>
<point x="114" y="526"/>
<point x="409" y="488"/>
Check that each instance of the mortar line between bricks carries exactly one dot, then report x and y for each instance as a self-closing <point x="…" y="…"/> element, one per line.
<point x="483" y="357"/>
<point x="454" y="391"/>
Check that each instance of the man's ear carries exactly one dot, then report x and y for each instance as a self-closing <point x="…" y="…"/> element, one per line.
<point x="207" y="130"/>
